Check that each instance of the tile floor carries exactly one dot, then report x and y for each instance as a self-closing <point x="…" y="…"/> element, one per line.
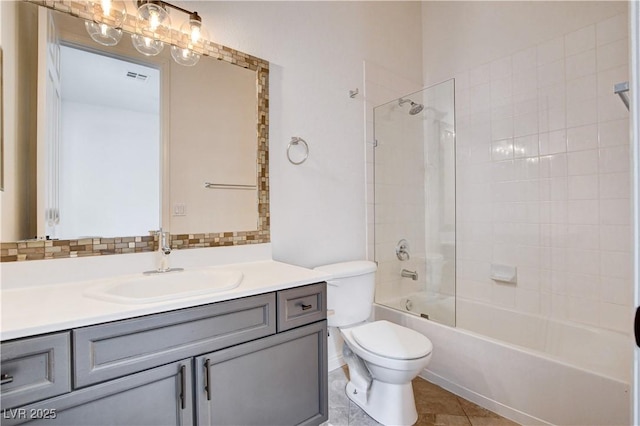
<point x="435" y="406"/>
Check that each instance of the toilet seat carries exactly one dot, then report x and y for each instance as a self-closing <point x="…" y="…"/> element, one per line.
<point x="389" y="340"/>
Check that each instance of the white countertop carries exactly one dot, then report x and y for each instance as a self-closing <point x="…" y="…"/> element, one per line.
<point x="35" y="310"/>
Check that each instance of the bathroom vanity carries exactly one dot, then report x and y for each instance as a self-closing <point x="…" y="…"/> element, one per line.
<point x="257" y="359"/>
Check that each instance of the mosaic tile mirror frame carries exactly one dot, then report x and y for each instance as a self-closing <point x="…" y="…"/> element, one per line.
<point x="53" y="249"/>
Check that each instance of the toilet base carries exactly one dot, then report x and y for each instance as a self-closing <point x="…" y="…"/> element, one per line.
<point x="388" y="403"/>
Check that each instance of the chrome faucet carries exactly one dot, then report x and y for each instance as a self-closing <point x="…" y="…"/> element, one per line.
<point x="409" y="274"/>
<point x="163" y="242"/>
<point x="164" y="250"/>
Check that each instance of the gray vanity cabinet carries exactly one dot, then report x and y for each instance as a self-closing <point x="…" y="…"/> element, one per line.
<point x="264" y="363"/>
<point x="159" y="396"/>
<point x="280" y="380"/>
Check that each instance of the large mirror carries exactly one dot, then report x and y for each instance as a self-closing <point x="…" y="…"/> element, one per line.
<point x="110" y="143"/>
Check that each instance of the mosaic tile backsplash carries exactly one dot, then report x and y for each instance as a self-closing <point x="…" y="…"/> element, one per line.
<point x="56" y="249"/>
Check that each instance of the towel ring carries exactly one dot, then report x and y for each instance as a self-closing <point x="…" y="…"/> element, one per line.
<point x="295" y="141"/>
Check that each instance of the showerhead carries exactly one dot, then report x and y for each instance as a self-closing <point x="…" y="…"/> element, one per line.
<point x="415" y="108"/>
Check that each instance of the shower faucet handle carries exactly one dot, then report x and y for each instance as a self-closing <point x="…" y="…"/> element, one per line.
<point x="402" y="250"/>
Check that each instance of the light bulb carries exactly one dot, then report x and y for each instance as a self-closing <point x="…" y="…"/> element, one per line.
<point x="154" y="20"/>
<point x="195" y="33"/>
<point x="109" y="12"/>
<point x="146" y="45"/>
<point x="184" y="56"/>
<point x="103" y="34"/>
<point x="106" y="6"/>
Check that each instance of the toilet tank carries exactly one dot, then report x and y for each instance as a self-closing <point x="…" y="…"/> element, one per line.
<point x="350" y="291"/>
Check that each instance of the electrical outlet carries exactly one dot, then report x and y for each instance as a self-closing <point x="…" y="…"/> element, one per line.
<point x="179" y="209"/>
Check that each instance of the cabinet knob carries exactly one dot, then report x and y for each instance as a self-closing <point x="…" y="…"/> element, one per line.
<point x="305" y="307"/>
<point x="5" y="379"/>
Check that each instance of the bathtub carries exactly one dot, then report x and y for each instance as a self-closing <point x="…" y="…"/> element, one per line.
<point x="521" y="382"/>
<point x="435" y="307"/>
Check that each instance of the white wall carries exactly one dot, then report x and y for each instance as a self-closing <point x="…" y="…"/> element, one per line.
<point x="92" y="147"/>
<point x="316" y="52"/>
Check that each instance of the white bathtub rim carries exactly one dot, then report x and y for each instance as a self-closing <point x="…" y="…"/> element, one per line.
<point x="515" y="347"/>
<point x="521" y="349"/>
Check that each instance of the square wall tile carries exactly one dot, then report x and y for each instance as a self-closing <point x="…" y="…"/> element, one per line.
<point x="615" y="212"/>
<point x="583" y="187"/>
<point x="500" y="68"/>
<point x="616" y="237"/>
<point x="580" y="40"/>
<point x="616" y="290"/>
<point x="615" y="185"/>
<point x="553" y="142"/>
<point x="613" y="54"/>
<point x="616" y="264"/>
<point x="613" y="133"/>
<point x="582" y="138"/>
<point x="581" y="88"/>
<point x="480" y="75"/>
<point x="583" y="163"/>
<point x="551" y="73"/>
<point x="615" y="317"/>
<point x="583" y="212"/>
<point x="524" y="60"/>
<point x="582" y="64"/>
<point x="550" y="51"/>
<point x="582" y="113"/>
<point x="614" y="159"/>
<point x="612" y="29"/>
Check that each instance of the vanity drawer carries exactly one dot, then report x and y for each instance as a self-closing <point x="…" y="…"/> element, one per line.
<point x="302" y="305"/>
<point x="116" y="349"/>
<point x="35" y="368"/>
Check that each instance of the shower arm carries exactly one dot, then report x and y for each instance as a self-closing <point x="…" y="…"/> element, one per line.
<point x="621" y="90"/>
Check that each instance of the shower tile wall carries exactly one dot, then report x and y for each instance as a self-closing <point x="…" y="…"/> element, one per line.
<point x="403" y="215"/>
<point x="543" y="181"/>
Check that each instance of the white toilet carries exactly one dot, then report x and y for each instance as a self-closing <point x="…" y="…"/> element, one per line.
<point x="383" y="357"/>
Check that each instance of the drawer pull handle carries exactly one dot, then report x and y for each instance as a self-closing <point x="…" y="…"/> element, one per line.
<point x="305" y="307"/>
<point x="5" y="379"/>
<point x="207" y="388"/>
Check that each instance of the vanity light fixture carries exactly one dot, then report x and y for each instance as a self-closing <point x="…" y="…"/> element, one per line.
<point x="108" y="17"/>
<point x="152" y="28"/>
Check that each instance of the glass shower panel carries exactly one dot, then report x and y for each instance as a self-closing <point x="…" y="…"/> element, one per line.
<point x="415" y="203"/>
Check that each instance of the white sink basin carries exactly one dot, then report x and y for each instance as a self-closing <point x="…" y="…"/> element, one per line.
<point x="165" y="286"/>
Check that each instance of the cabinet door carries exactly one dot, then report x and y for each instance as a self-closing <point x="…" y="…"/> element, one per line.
<point x="160" y="396"/>
<point x="278" y="380"/>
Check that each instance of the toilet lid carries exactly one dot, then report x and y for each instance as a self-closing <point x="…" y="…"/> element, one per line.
<point x="390" y="340"/>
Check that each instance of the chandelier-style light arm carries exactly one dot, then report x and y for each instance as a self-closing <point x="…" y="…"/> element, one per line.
<point x="192" y="15"/>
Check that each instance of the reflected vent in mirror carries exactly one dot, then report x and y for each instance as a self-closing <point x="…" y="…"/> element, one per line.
<point x="137" y="76"/>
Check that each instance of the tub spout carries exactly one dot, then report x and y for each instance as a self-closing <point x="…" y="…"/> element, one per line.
<point x="409" y="274"/>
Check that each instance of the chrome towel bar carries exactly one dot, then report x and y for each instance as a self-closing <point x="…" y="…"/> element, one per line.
<point x="209" y="185"/>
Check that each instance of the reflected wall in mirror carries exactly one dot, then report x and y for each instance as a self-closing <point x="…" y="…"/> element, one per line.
<point x="129" y="144"/>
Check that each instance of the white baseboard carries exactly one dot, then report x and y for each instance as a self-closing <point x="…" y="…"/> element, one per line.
<point x="335" y="362"/>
